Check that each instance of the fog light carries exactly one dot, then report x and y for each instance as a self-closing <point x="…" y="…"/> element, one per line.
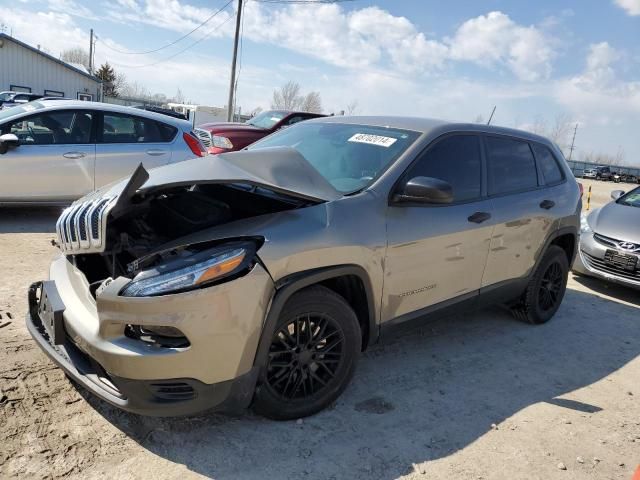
<point x="162" y="336"/>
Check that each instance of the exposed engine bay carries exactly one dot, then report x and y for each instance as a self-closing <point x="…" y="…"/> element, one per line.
<point x="135" y="234"/>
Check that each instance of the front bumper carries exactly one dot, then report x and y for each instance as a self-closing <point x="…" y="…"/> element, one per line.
<point x="223" y="324"/>
<point x="590" y="261"/>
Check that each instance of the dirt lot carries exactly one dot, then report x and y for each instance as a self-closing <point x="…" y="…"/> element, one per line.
<point x="475" y="397"/>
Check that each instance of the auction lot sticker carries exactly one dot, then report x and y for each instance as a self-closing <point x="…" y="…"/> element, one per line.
<point x="373" y="139"/>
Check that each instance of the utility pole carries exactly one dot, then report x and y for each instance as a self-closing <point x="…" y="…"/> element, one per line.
<point x="491" y="117"/>
<point x="91" y="53"/>
<point x="573" y="142"/>
<point x="233" y="64"/>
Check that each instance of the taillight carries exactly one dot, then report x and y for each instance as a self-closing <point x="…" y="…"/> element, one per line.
<point x="581" y="189"/>
<point x="194" y="144"/>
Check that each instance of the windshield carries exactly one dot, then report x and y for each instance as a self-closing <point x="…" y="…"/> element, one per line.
<point x="267" y="119"/>
<point x="18" y="109"/>
<point x="631" y="199"/>
<point x="349" y="156"/>
<point x="4" y="96"/>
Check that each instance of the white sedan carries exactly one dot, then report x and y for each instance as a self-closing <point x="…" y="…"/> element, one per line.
<point x="53" y="152"/>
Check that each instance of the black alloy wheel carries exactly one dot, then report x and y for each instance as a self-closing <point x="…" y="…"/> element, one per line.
<point x="312" y="355"/>
<point x="550" y="287"/>
<point x="305" y="355"/>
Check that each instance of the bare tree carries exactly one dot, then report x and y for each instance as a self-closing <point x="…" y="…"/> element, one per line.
<point x="179" y="97"/>
<point x="135" y="90"/>
<point x="352" y="107"/>
<point x="479" y="119"/>
<point x="287" y="97"/>
<point x="76" y="55"/>
<point x="539" y="126"/>
<point x="560" y="130"/>
<point x="311" y="103"/>
<point x="255" y="111"/>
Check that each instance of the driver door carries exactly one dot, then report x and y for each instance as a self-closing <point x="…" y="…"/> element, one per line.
<point x="437" y="253"/>
<point x="54" y="161"/>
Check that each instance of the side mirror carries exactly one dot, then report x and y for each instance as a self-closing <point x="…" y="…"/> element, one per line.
<point x="426" y="190"/>
<point x="8" y="141"/>
<point x="616" y="194"/>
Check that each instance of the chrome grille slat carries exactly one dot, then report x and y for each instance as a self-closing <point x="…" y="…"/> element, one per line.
<point x="616" y="243"/>
<point x="81" y="227"/>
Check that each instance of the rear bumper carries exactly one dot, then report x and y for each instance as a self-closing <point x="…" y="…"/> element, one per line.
<point x="589" y="260"/>
<point x="161" y="397"/>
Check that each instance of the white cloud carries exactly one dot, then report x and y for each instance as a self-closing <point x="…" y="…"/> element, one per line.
<point x="599" y="88"/>
<point x="495" y="39"/>
<point x="632" y="7"/>
<point x="71" y="7"/>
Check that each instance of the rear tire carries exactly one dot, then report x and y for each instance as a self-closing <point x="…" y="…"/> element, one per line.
<point x="545" y="291"/>
<point x="312" y="356"/>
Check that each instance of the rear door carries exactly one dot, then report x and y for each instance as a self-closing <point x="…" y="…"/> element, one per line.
<point x="55" y="159"/>
<point x="523" y="209"/>
<point x="125" y="141"/>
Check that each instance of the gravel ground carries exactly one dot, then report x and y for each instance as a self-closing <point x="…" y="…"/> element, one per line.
<point x="478" y="396"/>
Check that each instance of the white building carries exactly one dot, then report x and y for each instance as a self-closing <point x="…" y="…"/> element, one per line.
<point x="27" y="69"/>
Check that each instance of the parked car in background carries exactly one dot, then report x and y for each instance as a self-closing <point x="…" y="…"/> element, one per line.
<point x="260" y="275"/>
<point x="11" y="99"/>
<point x="625" y="178"/>
<point x="164" y="111"/>
<point x="610" y="240"/>
<point x="55" y="151"/>
<point x="229" y="137"/>
<point x="589" y="173"/>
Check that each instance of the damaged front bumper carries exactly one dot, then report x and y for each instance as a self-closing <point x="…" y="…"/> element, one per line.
<point x="86" y="337"/>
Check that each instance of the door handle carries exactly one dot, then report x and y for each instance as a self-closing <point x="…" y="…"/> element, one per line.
<point x="156" y="152"/>
<point x="74" y="155"/>
<point x="547" y="204"/>
<point x="479" y="217"/>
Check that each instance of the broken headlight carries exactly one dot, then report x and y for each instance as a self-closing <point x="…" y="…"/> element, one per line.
<point x="191" y="272"/>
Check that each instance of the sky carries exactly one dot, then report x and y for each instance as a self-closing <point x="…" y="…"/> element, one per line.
<point x="537" y="62"/>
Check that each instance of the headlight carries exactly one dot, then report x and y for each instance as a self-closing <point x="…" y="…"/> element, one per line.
<point x="221" y="142"/>
<point x="584" y="225"/>
<point x="203" y="268"/>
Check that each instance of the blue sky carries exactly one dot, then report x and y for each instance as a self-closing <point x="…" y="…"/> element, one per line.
<point x="543" y="64"/>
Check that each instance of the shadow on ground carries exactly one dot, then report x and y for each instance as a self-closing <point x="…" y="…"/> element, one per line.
<point x="603" y="287"/>
<point x="29" y="219"/>
<point x="421" y="397"/>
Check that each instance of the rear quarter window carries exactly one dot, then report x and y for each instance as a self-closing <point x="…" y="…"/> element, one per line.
<point x="551" y="171"/>
<point x="511" y="166"/>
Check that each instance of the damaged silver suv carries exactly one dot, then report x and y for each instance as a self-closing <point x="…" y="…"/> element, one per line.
<point x="257" y="277"/>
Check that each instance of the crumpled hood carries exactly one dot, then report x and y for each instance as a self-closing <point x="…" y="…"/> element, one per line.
<point x="281" y="169"/>
<point x="621" y="222"/>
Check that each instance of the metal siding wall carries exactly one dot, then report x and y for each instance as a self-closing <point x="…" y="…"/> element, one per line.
<point x="20" y="66"/>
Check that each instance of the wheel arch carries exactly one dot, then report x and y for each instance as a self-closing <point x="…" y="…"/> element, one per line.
<point x="342" y="279"/>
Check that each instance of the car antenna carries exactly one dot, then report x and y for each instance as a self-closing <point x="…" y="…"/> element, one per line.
<point x="491" y="117"/>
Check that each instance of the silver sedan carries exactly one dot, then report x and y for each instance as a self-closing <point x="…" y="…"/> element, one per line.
<point x="610" y="241"/>
<point x="53" y="152"/>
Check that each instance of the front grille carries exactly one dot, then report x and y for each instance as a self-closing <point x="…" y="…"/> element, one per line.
<point x="599" y="265"/>
<point x="204" y="136"/>
<point x="81" y="227"/>
<point x="615" y="243"/>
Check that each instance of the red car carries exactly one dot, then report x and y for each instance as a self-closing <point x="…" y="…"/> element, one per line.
<point x="228" y="137"/>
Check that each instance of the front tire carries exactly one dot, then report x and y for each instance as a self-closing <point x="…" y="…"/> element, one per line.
<point x="545" y="291"/>
<point x="312" y="356"/>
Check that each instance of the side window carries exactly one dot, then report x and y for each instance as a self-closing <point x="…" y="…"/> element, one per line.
<point x="511" y="167"/>
<point x="296" y="119"/>
<point x="455" y="159"/>
<point x="120" y="128"/>
<point x="54" y="128"/>
<point x="548" y="164"/>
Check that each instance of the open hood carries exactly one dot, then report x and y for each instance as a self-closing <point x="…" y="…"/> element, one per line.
<point x="281" y="169"/>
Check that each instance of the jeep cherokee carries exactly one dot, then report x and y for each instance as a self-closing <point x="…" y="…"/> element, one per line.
<point x="257" y="277"/>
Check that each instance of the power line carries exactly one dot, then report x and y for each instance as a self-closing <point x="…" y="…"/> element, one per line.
<point x="179" y="52"/>
<point x="175" y="41"/>
<point x="308" y="2"/>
